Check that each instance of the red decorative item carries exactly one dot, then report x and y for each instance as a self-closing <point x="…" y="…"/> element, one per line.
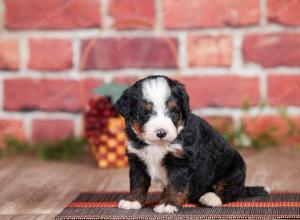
<point x="104" y="128"/>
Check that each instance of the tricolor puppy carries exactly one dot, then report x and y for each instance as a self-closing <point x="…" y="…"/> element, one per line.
<point x="169" y="145"/>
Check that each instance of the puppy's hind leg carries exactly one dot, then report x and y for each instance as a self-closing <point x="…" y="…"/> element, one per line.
<point x="231" y="187"/>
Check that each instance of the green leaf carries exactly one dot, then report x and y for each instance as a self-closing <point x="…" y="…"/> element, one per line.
<point x="112" y="90"/>
<point x="14" y="146"/>
<point x="65" y="149"/>
<point x="246" y="105"/>
<point x="297" y="146"/>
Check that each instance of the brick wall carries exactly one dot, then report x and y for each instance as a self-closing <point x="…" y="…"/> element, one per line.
<point x="227" y="51"/>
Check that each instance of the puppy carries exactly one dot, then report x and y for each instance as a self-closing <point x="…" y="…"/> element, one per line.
<point x="170" y="146"/>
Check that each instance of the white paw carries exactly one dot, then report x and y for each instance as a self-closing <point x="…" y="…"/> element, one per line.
<point x="210" y="199"/>
<point x="268" y="189"/>
<point x="162" y="208"/>
<point x="124" y="204"/>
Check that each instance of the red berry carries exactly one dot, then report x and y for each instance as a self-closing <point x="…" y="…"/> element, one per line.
<point x="106" y="113"/>
<point x="92" y="113"/>
<point x="92" y="103"/>
<point x="91" y="120"/>
<point x="104" y="130"/>
<point x="100" y="105"/>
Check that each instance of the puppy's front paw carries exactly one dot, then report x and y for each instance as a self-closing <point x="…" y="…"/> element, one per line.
<point x="165" y="208"/>
<point x="125" y="204"/>
<point x="210" y="199"/>
<point x="267" y="189"/>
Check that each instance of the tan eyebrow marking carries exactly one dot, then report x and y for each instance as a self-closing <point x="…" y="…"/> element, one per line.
<point x="171" y="104"/>
<point x="137" y="128"/>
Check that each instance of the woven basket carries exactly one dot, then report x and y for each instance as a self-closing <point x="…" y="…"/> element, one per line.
<point x="105" y="133"/>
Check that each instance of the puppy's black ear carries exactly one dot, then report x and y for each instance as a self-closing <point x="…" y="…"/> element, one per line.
<point x="182" y="95"/>
<point x="123" y="104"/>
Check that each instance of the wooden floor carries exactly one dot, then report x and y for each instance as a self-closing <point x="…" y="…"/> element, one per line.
<point x="33" y="189"/>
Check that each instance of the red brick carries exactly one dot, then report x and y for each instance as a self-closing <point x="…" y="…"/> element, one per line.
<point x="9" y="54"/>
<point x="52" y="14"/>
<point x="284" y="90"/>
<point x="50" y="54"/>
<point x="52" y="129"/>
<point x="284" y="12"/>
<point x="89" y="85"/>
<point x="10" y="127"/>
<point x="210" y="51"/>
<point x="47" y="94"/>
<point x="220" y="91"/>
<point x="116" y="53"/>
<point x="205" y="14"/>
<point x="125" y="79"/>
<point x="270" y="50"/>
<point x="132" y="13"/>
<point x="276" y="126"/>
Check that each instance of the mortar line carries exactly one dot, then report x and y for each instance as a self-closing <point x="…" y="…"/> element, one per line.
<point x="27" y="127"/>
<point x="237" y="57"/>
<point x="263" y="88"/>
<point x="78" y="125"/>
<point x="2" y="16"/>
<point x="105" y="17"/>
<point x="74" y="72"/>
<point x="244" y="71"/>
<point x="1" y="95"/>
<point x="24" y="55"/>
<point x="182" y="51"/>
<point x="263" y="12"/>
<point x="159" y="16"/>
<point x="83" y="33"/>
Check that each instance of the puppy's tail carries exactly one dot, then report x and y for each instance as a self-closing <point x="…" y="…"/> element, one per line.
<point x="252" y="191"/>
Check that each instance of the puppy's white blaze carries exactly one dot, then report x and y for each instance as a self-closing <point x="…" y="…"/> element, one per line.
<point x="210" y="199"/>
<point x="158" y="91"/>
<point x="125" y="204"/>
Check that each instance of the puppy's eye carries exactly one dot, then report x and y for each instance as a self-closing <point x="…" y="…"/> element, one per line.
<point x="146" y="111"/>
<point x="147" y="106"/>
<point x="174" y="112"/>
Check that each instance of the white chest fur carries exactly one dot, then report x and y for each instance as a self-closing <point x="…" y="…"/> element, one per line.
<point x="153" y="157"/>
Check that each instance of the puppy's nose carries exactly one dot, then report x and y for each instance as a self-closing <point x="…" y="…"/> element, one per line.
<point x="161" y="133"/>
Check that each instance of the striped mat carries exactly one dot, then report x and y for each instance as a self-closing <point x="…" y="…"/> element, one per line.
<point x="100" y="206"/>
